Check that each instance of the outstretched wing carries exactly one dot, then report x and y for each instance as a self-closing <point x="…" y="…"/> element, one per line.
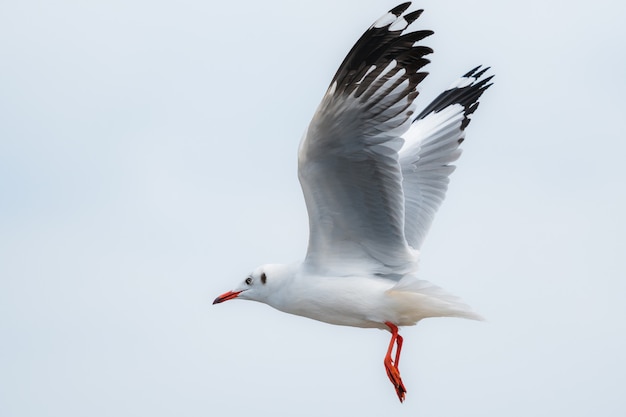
<point x="349" y="166"/>
<point x="431" y="145"/>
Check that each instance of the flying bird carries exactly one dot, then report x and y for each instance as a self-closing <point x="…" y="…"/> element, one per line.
<point x="374" y="170"/>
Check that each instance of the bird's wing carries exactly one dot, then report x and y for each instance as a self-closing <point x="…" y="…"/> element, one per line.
<point x="348" y="161"/>
<point x="431" y="145"/>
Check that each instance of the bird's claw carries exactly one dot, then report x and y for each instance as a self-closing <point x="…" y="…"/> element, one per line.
<point x="394" y="376"/>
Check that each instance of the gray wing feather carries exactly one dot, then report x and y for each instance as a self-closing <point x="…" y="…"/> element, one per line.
<point x="349" y="165"/>
<point x="431" y="145"/>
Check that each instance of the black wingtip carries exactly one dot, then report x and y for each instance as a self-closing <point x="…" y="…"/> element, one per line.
<point x="466" y="94"/>
<point x="401" y="8"/>
<point x="481" y="72"/>
<point x="379" y="46"/>
<point x="413" y="16"/>
<point x="471" y="72"/>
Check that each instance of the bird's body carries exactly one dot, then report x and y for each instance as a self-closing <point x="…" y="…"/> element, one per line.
<point x="356" y="300"/>
<point x="347" y="301"/>
<point x="373" y="172"/>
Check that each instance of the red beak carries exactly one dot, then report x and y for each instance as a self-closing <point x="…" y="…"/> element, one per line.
<point x="226" y="296"/>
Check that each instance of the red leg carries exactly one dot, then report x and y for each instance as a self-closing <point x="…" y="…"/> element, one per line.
<point x="399" y="341"/>
<point x="392" y="368"/>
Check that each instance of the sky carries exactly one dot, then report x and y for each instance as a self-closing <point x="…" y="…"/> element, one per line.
<point x="148" y="164"/>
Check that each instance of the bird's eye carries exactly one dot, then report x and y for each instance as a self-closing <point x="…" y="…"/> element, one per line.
<point x="249" y="280"/>
<point x="263" y="278"/>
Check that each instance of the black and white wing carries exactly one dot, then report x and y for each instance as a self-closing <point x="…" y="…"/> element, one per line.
<point x="349" y="165"/>
<point x="431" y="145"/>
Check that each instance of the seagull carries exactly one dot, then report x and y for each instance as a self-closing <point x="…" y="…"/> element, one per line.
<point x="373" y="172"/>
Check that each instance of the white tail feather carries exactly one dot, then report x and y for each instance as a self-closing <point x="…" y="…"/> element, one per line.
<point x="418" y="299"/>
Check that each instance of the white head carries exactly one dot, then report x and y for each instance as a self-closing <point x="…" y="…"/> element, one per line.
<point x="264" y="282"/>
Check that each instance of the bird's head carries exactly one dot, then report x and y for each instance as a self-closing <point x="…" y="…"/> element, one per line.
<point x="260" y="285"/>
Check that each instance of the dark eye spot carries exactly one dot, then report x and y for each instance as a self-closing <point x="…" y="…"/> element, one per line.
<point x="249" y="280"/>
<point x="263" y="278"/>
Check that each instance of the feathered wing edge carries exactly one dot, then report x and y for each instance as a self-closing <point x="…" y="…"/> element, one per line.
<point x="348" y="161"/>
<point x="431" y="145"/>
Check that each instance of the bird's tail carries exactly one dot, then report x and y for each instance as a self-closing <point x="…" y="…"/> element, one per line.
<point x="418" y="299"/>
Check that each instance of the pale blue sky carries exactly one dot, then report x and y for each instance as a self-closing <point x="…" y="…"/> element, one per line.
<point x="147" y="164"/>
